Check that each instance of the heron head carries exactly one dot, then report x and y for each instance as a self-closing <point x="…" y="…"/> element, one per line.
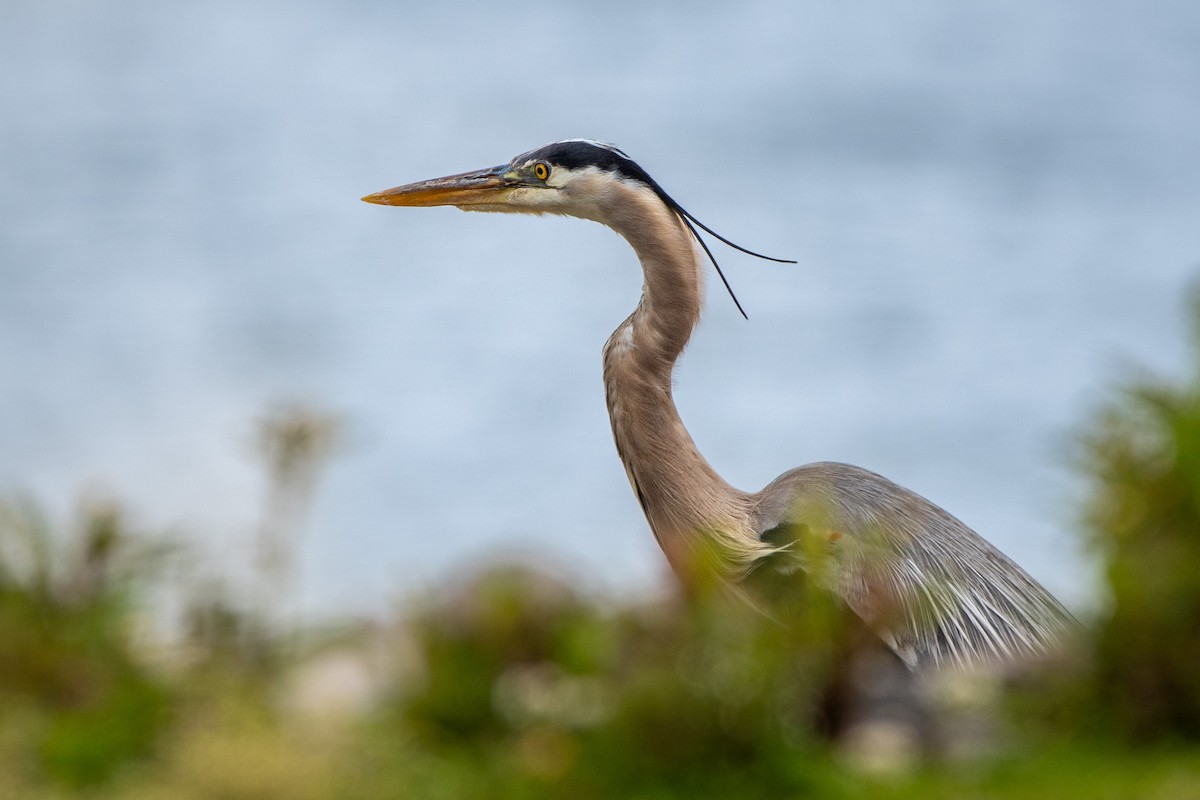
<point x="575" y="177"/>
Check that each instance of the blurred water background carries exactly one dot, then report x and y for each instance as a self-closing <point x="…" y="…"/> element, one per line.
<point x="994" y="207"/>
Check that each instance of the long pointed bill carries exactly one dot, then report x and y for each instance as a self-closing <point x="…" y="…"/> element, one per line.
<point x="481" y="187"/>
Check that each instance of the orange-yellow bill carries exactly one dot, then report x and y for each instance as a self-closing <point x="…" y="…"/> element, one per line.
<point x="468" y="188"/>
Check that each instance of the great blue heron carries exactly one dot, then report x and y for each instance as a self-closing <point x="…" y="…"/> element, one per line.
<point x="932" y="588"/>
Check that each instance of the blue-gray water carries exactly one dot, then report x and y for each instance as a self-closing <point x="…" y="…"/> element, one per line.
<point x="994" y="205"/>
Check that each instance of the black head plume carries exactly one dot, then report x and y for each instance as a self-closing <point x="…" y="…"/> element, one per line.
<point x="692" y="223"/>
<point x="576" y="153"/>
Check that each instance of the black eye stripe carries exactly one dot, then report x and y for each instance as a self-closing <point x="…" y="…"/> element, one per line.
<point x="576" y="154"/>
<point x="573" y="154"/>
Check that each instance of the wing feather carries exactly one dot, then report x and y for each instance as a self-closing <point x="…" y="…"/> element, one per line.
<point x="936" y="591"/>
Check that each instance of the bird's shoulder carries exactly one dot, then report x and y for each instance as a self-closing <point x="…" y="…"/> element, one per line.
<point x="936" y="590"/>
<point x="829" y="492"/>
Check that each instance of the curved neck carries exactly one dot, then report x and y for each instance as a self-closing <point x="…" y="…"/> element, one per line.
<point x="685" y="501"/>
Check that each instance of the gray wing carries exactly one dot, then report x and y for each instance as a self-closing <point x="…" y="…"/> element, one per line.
<point x="936" y="591"/>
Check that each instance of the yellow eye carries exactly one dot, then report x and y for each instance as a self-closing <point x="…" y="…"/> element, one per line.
<point x="541" y="170"/>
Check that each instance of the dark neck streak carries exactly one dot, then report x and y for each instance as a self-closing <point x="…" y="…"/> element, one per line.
<point x="685" y="501"/>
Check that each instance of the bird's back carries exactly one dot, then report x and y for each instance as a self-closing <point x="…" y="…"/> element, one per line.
<point x="936" y="591"/>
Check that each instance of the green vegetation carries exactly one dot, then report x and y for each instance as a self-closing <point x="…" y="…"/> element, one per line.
<point x="74" y="699"/>
<point x="1144" y="520"/>
<point x="516" y="685"/>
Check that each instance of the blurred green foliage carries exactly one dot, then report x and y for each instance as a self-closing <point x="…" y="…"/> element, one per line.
<point x="514" y="684"/>
<point x="69" y="667"/>
<point x="1143" y="518"/>
<point x="530" y="686"/>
